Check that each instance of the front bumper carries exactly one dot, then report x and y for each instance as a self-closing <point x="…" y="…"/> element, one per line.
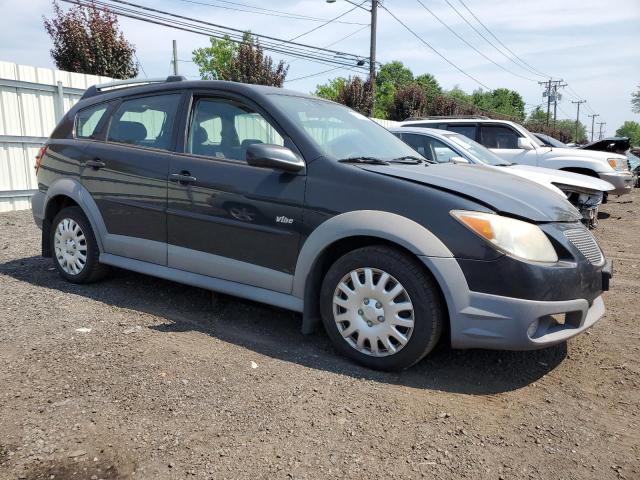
<point x="621" y="181"/>
<point x="482" y="320"/>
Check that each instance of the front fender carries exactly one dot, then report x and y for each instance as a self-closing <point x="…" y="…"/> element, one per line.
<point x="567" y="161"/>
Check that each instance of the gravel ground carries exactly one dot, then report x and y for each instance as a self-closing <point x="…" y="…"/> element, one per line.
<point x="137" y="377"/>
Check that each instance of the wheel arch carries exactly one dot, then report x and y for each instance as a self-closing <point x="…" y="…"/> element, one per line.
<point x="346" y="232"/>
<point x="67" y="192"/>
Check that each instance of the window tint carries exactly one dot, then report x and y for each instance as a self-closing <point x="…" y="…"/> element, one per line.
<point x="442" y="152"/>
<point x="146" y="121"/>
<point x="420" y="144"/>
<point x="498" y="136"/>
<point x="87" y="121"/>
<point x="225" y="129"/>
<point x="466" y="130"/>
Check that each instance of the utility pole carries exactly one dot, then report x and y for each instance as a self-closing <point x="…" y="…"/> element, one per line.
<point x="601" y="124"/>
<point x="593" y="118"/>
<point x="578" y="103"/>
<point x="372" y="53"/>
<point x="174" y="60"/>
<point x="372" y="45"/>
<point x="551" y="92"/>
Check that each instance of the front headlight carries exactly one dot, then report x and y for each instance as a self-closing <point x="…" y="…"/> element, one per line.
<point x="618" y="163"/>
<point x="520" y="239"/>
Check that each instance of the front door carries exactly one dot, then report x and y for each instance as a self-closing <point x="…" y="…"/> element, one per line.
<point x="503" y="141"/>
<point x="126" y="175"/>
<point x="227" y="219"/>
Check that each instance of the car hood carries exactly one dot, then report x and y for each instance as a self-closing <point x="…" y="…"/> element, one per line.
<point x="551" y="177"/>
<point x="580" y="153"/>
<point x="500" y="191"/>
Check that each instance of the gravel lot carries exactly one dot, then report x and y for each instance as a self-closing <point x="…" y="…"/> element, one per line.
<point x="167" y="384"/>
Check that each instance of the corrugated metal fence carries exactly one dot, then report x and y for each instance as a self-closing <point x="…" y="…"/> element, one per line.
<point x="32" y="100"/>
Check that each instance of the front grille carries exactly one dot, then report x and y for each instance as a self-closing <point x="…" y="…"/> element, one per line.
<point x="584" y="241"/>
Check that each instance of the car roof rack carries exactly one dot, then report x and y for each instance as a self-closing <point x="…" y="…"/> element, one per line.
<point x="450" y="117"/>
<point x="94" y="90"/>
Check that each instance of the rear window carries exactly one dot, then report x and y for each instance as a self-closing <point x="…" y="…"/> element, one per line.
<point x="146" y="121"/>
<point x="87" y="121"/>
<point x="466" y="130"/>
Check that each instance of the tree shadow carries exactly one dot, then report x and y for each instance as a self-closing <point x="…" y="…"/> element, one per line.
<point x="276" y="333"/>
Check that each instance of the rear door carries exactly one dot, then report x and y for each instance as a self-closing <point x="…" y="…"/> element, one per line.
<point x="227" y="219"/>
<point x="126" y="174"/>
<point x="503" y="141"/>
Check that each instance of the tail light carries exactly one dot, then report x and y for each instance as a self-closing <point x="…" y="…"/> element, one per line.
<point x="40" y="156"/>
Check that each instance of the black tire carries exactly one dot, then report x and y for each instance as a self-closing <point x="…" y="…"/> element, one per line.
<point x="93" y="270"/>
<point x="429" y="312"/>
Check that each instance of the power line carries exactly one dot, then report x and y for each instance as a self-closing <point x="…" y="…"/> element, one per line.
<point x="485" y="38"/>
<point x="312" y="75"/>
<point x="140" y="63"/>
<point x="337" y="41"/>
<point x="470" y="45"/>
<point x="434" y="50"/>
<point x="293" y="49"/>
<point x="263" y="11"/>
<point x="325" y="23"/>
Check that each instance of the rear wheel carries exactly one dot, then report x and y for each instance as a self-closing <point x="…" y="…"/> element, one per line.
<point x="381" y="308"/>
<point x="75" y="250"/>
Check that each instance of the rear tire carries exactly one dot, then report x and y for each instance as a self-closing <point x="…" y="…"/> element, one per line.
<point x="74" y="247"/>
<point x="372" y="324"/>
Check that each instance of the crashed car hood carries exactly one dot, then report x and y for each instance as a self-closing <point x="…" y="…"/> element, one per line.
<point x="502" y="192"/>
<point x="551" y="177"/>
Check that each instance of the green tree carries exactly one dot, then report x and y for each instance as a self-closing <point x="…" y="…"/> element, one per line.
<point x="214" y="62"/>
<point x="244" y="62"/>
<point x="331" y="89"/>
<point x="394" y="72"/>
<point x="631" y="130"/>
<point x="87" y="40"/>
<point x="635" y="101"/>
<point x="501" y="100"/>
<point x="429" y="84"/>
<point x="355" y="93"/>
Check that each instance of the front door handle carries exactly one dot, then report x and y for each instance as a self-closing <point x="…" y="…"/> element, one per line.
<point x="96" y="164"/>
<point x="182" y="177"/>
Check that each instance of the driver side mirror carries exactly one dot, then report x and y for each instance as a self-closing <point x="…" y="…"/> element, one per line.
<point x="458" y="160"/>
<point x="525" y="143"/>
<point x="273" y="156"/>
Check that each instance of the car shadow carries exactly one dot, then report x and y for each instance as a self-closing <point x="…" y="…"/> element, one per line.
<point x="276" y="333"/>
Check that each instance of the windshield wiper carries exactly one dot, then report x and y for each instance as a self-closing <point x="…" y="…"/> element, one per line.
<point x="368" y="160"/>
<point x="504" y="164"/>
<point x="408" y="159"/>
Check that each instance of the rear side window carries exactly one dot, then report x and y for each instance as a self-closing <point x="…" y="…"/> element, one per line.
<point x="498" y="136"/>
<point x="466" y="130"/>
<point x="87" y="121"/>
<point x="146" y="122"/>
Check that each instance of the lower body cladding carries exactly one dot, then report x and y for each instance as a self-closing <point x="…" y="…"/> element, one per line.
<point x="482" y="320"/>
<point x="621" y="181"/>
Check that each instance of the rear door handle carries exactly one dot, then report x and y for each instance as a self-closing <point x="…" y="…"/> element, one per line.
<point x="95" y="164"/>
<point x="183" y="177"/>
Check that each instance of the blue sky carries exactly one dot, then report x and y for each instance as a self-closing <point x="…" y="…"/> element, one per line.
<point x="593" y="45"/>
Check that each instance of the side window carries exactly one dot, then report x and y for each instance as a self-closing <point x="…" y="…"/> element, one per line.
<point x="420" y="143"/>
<point x="87" y="120"/>
<point x="466" y="130"/>
<point x="498" y="136"/>
<point x="225" y="129"/>
<point x="443" y="153"/>
<point x="145" y="121"/>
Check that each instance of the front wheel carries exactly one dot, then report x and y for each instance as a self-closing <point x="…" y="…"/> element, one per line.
<point x="381" y="308"/>
<point x="75" y="250"/>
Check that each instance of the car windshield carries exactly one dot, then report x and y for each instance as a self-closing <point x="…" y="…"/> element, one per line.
<point x="477" y="151"/>
<point x="551" y="141"/>
<point x="634" y="160"/>
<point x="342" y="133"/>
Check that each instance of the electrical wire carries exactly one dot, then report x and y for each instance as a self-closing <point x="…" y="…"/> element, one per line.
<point x="312" y="75"/>
<point x="263" y="11"/>
<point x="468" y="75"/>
<point x="324" y="24"/>
<point x="533" y="69"/>
<point x="140" y="63"/>
<point x="471" y="46"/>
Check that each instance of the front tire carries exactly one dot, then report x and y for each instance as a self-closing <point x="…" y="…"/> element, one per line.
<point x="381" y="308"/>
<point x="74" y="247"/>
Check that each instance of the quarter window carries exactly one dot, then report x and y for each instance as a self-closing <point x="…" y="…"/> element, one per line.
<point x="146" y="121"/>
<point x="498" y="136"/>
<point x="87" y="121"/>
<point x="225" y="129"/>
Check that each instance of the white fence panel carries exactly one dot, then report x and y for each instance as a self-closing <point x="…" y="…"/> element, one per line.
<point x="32" y="99"/>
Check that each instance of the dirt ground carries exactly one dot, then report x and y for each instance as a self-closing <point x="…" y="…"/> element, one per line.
<point x="166" y="385"/>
